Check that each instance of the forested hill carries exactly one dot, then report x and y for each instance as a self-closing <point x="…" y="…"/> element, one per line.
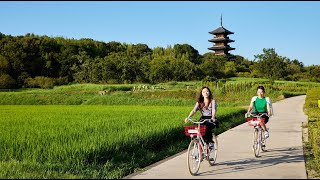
<point x="42" y="61"/>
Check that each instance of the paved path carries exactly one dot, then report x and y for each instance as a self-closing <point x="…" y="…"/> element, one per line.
<point x="284" y="158"/>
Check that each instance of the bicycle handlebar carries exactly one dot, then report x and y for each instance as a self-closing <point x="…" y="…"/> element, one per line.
<point x="198" y="122"/>
<point x="258" y="115"/>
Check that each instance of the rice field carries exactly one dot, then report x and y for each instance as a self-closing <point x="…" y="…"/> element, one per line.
<point x="59" y="141"/>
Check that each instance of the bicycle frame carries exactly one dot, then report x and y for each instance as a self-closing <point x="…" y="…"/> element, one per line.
<point x="199" y="139"/>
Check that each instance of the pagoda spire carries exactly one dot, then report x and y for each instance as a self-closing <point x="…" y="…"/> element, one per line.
<point x="221" y="20"/>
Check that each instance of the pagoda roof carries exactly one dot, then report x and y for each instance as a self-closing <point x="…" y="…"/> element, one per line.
<point x="221" y="30"/>
<point x="221" y="39"/>
<point x="221" y="48"/>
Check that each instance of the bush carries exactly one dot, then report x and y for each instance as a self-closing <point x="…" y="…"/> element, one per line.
<point x="40" y="81"/>
<point x="243" y="74"/>
<point x="209" y="79"/>
<point x="61" y="81"/>
<point x="112" y="81"/>
<point x="6" y="81"/>
<point x="172" y="83"/>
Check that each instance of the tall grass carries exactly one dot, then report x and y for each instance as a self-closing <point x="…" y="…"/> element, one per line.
<point x="229" y="93"/>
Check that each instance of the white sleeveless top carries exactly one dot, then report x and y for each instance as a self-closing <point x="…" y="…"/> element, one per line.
<point x="204" y="111"/>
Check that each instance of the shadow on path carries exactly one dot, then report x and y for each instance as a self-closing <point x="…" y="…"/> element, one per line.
<point x="268" y="158"/>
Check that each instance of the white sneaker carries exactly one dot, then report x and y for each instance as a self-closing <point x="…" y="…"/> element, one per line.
<point x="266" y="134"/>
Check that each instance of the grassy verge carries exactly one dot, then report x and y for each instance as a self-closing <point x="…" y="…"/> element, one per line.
<point x="312" y="146"/>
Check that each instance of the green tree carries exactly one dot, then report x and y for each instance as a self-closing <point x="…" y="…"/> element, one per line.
<point x="158" y="52"/>
<point x="182" y="69"/>
<point x="109" y="68"/>
<point x="270" y="64"/>
<point x="49" y="51"/>
<point x="213" y="65"/>
<point x="294" y="69"/>
<point x="139" y="50"/>
<point x="242" y="64"/>
<point x="66" y="58"/>
<point x="143" y="68"/>
<point x="123" y="68"/>
<point x="4" y="65"/>
<point x="230" y="69"/>
<point x="186" y="51"/>
<point x="82" y="70"/>
<point x="160" y="70"/>
<point x="114" y="47"/>
<point x="313" y="73"/>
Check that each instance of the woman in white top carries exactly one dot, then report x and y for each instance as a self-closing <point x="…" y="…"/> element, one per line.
<point x="207" y="106"/>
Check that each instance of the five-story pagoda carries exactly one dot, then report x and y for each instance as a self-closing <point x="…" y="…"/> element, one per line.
<point x="221" y="41"/>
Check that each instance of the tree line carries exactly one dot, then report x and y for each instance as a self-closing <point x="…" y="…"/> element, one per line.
<point x="41" y="61"/>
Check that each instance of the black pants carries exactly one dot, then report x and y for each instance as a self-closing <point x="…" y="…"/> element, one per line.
<point x="266" y="118"/>
<point x="208" y="135"/>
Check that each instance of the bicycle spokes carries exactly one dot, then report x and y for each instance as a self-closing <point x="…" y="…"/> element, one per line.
<point x="256" y="142"/>
<point x="194" y="157"/>
<point x="263" y="144"/>
<point x="212" y="155"/>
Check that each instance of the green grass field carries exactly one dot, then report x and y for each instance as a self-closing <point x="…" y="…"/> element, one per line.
<point x="89" y="141"/>
<point x="73" y="132"/>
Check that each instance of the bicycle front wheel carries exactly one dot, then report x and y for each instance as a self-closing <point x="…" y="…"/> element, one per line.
<point x="256" y="142"/>
<point x="212" y="157"/>
<point x="194" y="158"/>
<point x="263" y="144"/>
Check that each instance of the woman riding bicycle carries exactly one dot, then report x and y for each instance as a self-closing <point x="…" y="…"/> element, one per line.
<point x="261" y="104"/>
<point x="207" y="106"/>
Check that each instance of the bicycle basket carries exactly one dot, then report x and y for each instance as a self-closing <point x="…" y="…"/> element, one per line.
<point x="193" y="129"/>
<point x="254" y="121"/>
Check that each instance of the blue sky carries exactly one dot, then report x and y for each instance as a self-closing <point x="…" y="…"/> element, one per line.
<point x="291" y="27"/>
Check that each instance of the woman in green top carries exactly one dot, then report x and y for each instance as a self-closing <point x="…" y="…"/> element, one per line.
<point x="261" y="104"/>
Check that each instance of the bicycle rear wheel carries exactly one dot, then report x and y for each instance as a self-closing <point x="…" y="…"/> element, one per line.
<point x="194" y="157"/>
<point x="212" y="156"/>
<point x="256" y="142"/>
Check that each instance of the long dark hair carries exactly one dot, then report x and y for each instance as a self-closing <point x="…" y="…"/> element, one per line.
<point x="201" y="98"/>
